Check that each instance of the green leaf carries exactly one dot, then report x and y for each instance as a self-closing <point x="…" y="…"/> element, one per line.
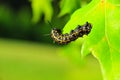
<point x="102" y="52"/>
<point x="113" y="38"/>
<point x="74" y="56"/>
<point x="104" y="40"/>
<point x="68" y="6"/>
<point x="87" y="14"/>
<point x="113" y="28"/>
<point x="116" y="2"/>
<point x="40" y="7"/>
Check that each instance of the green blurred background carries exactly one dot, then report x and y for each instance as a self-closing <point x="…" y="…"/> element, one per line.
<point x="27" y="54"/>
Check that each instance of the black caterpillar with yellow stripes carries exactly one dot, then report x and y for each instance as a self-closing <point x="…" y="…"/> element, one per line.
<point x="79" y="31"/>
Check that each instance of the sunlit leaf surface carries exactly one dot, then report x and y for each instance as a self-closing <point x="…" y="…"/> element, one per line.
<point x="104" y="40"/>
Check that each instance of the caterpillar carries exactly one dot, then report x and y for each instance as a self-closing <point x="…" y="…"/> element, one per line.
<point x="79" y="31"/>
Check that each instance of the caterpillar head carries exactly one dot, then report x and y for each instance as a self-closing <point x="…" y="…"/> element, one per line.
<point x="55" y="30"/>
<point x="55" y="33"/>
